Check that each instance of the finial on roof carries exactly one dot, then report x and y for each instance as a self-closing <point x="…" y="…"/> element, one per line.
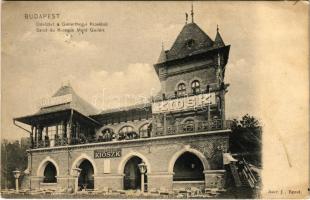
<point x="217" y="28"/>
<point x="186" y="18"/>
<point x="162" y="46"/>
<point x="65" y="83"/>
<point x="192" y="13"/>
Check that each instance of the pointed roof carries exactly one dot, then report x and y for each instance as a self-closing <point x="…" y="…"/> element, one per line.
<point x="162" y="57"/>
<point x="76" y="103"/>
<point x="191" y="40"/>
<point x="218" y="42"/>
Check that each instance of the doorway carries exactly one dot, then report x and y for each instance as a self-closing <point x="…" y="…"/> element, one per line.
<point x="132" y="178"/>
<point x="86" y="178"/>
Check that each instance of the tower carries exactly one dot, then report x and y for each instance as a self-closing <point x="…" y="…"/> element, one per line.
<point x="193" y="66"/>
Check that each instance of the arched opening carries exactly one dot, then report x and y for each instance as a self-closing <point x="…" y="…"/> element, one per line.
<point x="106" y="135"/>
<point x="195" y="87"/>
<point x="145" y="130"/>
<point x="127" y="133"/>
<point x="132" y="178"/>
<point x="181" y="89"/>
<point x="50" y="173"/>
<point x="86" y="177"/>
<point x="188" y="167"/>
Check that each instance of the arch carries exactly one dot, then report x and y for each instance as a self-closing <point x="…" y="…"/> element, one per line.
<point x="125" y="124"/>
<point x="80" y="159"/>
<point x="178" y="83"/>
<point x="86" y="176"/>
<point x="182" y="89"/>
<point x="124" y="160"/>
<point x="127" y="132"/>
<point x="144" y="130"/>
<point x="188" y="118"/>
<point x="196" y="79"/>
<point x="190" y="150"/>
<point x="50" y="173"/>
<point x="195" y="86"/>
<point x="44" y="163"/>
<point x="105" y="127"/>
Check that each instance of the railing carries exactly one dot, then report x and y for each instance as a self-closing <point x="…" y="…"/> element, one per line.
<point x="196" y="127"/>
<point x="190" y="128"/>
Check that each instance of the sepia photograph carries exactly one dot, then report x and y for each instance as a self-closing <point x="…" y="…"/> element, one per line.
<point x="155" y="100"/>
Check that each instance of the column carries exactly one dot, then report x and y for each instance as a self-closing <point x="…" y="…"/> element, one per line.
<point x="165" y="124"/>
<point x="56" y="137"/>
<point x="36" y="135"/>
<point x="223" y="108"/>
<point x="40" y="134"/>
<point x="69" y="133"/>
<point x="31" y="137"/>
<point x="63" y="132"/>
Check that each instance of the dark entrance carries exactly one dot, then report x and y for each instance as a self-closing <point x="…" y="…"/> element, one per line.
<point x="188" y="167"/>
<point x="132" y="179"/>
<point x="86" y="178"/>
<point x="50" y="173"/>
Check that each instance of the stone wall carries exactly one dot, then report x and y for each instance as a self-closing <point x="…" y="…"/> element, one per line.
<point x="158" y="153"/>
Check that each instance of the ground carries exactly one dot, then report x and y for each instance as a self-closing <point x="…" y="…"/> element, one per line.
<point x="232" y="193"/>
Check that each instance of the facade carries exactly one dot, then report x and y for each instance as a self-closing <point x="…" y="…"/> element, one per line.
<point x="180" y="135"/>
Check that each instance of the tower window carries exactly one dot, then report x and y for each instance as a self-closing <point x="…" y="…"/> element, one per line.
<point x="181" y="89"/>
<point x="196" y="87"/>
<point x="190" y="43"/>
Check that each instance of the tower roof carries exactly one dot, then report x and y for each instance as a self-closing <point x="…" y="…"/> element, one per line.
<point x="76" y="103"/>
<point x="162" y="57"/>
<point x="190" y="40"/>
<point x="218" y="42"/>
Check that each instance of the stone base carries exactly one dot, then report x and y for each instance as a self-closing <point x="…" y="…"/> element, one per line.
<point x="188" y="184"/>
<point x="214" y="179"/>
<point x="159" y="180"/>
<point x="114" y="182"/>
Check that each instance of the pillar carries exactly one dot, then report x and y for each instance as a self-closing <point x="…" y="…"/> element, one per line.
<point x="31" y="137"/>
<point x="36" y="136"/>
<point x="69" y="132"/>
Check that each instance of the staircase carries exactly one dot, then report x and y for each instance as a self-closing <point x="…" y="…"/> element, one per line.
<point x="243" y="174"/>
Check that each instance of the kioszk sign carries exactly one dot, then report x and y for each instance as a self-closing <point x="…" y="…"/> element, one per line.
<point x="107" y="153"/>
<point x="186" y="103"/>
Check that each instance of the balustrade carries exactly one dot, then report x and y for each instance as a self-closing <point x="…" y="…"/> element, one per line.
<point x="195" y="127"/>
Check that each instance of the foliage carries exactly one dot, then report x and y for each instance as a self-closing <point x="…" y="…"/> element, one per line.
<point x="246" y="139"/>
<point x="13" y="156"/>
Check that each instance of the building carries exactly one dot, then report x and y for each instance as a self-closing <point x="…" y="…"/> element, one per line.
<point x="180" y="135"/>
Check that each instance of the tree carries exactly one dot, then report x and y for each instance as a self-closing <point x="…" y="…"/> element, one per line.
<point x="245" y="139"/>
<point x="13" y="156"/>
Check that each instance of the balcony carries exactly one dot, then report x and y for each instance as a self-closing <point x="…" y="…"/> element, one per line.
<point x="196" y="127"/>
<point x="203" y="126"/>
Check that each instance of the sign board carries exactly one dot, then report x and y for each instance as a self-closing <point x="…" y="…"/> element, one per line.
<point x="186" y="103"/>
<point x="108" y="153"/>
<point x="53" y="101"/>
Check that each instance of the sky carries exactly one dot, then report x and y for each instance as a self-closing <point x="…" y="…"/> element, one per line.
<point x="267" y="68"/>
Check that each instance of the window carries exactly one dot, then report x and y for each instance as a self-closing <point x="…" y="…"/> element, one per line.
<point x="127" y="132"/>
<point x="144" y="130"/>
<point x="181" y="89"/>
<point x="195" y="87"/>
<point x="190" y="43"/>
